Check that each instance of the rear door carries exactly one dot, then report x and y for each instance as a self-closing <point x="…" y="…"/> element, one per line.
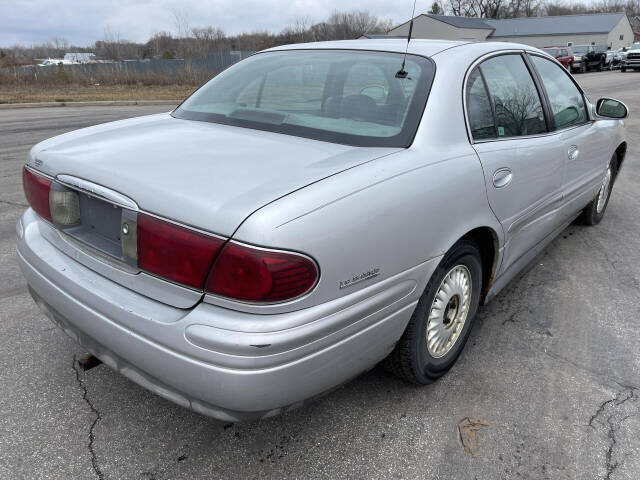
<point x="522" y="163"/>
<point x="585" y="143"/>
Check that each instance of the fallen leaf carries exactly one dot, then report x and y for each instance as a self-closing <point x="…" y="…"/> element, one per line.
<point x="467" y="428"/>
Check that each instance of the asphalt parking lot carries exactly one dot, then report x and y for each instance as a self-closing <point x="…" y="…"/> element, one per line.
<point x="551" y="372"/>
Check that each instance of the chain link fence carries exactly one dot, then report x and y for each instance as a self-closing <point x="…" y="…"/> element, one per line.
<point x="156" y="71"/>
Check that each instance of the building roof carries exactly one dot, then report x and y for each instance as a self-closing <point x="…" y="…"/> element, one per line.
<point x="560" y="25"/>
<point x="534" y="26"/>
<point x="463" y="22"/>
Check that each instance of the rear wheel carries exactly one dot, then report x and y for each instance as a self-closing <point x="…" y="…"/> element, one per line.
<point x="594" y="211"/>
<point x="442" y="320"/>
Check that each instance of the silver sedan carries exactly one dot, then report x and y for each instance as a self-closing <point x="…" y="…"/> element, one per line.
<point x="310" y="212"/>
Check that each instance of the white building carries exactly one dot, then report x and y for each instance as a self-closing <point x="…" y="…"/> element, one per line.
<point x="610" y="29"/>
<point x="80" y="57"/>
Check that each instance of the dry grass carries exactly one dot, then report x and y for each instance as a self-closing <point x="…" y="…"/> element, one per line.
<point x="82" y="93"/>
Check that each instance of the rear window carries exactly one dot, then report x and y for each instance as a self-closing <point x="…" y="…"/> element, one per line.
<point x="551" y="51"/>
<point x="342" y="96"/>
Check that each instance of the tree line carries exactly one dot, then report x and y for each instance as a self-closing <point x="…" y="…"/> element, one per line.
<point x="189" y="41"/>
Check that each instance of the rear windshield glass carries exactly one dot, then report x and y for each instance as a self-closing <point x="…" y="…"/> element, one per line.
<point x="551" y="51"/>
<point x="580" y="49"/>
<point x="342" y="96"/>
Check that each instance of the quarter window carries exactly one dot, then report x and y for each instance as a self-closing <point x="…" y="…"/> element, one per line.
<point x="567" y="103"/>
<point x="479" y="110"/>
<point x="518" y="110"/>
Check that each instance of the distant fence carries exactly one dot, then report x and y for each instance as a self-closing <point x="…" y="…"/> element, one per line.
<point x="154" y="71"/>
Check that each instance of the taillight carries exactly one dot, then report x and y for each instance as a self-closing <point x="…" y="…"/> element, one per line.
<point x="252" y="274"/>
<point x="174" y="252"/>
<point x="36" y="189"/>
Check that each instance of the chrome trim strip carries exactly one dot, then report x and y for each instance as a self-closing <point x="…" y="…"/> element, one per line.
<point x="96" y="190"/>
<point x="184" y="225"/>
<point x="38" y="172"/>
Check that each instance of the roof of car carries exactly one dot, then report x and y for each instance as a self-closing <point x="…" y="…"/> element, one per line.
<point x="427" y="48"/>
<point x="418" y="46"/>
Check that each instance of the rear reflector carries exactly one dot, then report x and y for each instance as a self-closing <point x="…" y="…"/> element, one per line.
<point x="252" y="274"/>
<point x="174" y="252"/>
<point x="36" y="189"/>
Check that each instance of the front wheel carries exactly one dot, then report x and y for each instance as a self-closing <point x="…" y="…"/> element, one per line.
<point x="583" y="67"/>
<point x="442" y="320"/>
<point x="595" y="210"/>
<point x="623" y="69"/>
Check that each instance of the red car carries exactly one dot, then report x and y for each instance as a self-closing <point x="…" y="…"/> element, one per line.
<point x="562" y="54"/>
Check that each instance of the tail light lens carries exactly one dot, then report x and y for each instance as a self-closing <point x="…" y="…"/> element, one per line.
<point x="252" y="274"/>
<point x="174" y="252"/>
<point x="36" y="189"/>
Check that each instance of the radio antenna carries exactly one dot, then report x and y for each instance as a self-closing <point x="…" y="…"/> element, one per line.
<point x="402" y="73"/>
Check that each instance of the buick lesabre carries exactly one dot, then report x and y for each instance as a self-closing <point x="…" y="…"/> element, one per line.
<point x="310" y="212"/>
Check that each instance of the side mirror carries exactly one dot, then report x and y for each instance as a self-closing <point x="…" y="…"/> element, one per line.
<point x="610" y="108"/>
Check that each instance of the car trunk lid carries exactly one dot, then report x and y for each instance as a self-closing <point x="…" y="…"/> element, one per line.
<point x="201" y="175"/>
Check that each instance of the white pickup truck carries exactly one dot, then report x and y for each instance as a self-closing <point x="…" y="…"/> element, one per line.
<point x="632" y="58"/>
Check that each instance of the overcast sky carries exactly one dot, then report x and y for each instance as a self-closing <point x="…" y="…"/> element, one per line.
<point x="82" y="22"/>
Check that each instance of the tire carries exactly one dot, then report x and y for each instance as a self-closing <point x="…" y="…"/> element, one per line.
<point x="623" y="69"/>
<point x="412" y="359"/>
<point x="601" y="66"/>
<point x="583" y="67"/>
<point x="597" y="207"/>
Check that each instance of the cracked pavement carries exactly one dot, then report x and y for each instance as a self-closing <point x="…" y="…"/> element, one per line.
<point x="552" y="366"/>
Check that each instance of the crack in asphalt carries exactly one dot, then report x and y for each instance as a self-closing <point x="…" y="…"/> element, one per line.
<point x="612" y="425"/>
<point x="94" y="410"/>
<point x="13" y="204"/>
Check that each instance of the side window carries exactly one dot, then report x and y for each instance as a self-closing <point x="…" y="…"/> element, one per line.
<point x="567" y="103"/>
<point x="479" y="108"/>
<point x="515" y="97"/>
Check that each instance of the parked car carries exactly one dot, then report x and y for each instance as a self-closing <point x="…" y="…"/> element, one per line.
<point x="612" y="60"/>
<point x="588" y="57"/>
<point x="631" y="59"/>
<point x="311" y="211"/>
<point x="562" y="54"/>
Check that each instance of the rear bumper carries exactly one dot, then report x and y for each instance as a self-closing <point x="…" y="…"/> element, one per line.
<point x="263" y="365"/>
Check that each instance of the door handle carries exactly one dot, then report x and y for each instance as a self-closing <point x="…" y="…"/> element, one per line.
<point x="502" y="177"/>
<point x="573" y="152"/>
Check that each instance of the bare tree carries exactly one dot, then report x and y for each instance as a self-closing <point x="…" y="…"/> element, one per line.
<point x="181" y="21"/>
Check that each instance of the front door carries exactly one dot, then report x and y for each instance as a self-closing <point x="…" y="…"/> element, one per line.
<point x="585" y="143"/>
